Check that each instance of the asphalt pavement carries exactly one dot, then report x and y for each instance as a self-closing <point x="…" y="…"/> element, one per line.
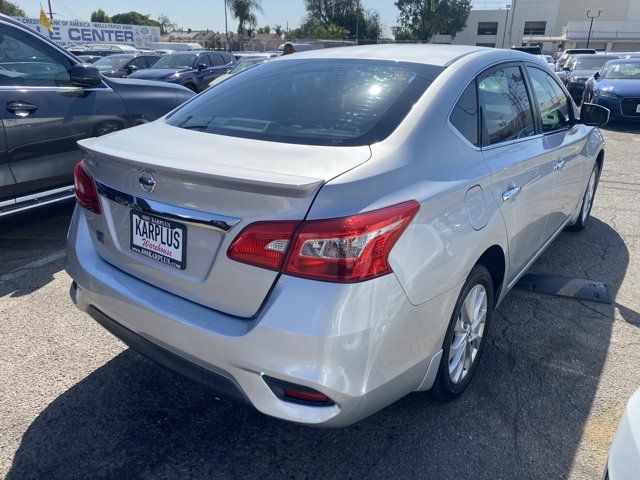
<point x="75" y="403"/>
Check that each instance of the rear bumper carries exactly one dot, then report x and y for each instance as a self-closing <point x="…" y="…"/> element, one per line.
<point x="363" y="345"/>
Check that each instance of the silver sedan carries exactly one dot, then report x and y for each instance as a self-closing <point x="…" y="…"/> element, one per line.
<point x="332" y="230"/>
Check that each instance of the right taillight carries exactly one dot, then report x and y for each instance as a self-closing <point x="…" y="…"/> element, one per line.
<point x="347" y="249"/>
<point x="85" y="188"/>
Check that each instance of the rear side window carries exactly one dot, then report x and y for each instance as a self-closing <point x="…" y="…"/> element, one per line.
<point x="506" y="111"/>
<point x="316" y="101"/>
<point x="217" y="60"/>
<point x="151" y="60"/>
<point x="465" y="114"/>
<point x="552" y="102"/>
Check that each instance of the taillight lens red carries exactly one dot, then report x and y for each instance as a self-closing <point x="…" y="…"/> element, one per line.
<point x="85" y="188"/>
<point x="348" y="249"/>
<point x="263" y="244"/>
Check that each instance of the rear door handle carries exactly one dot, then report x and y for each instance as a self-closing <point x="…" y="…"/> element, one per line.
<point x="559" y="164"/>
<point x="511" y="194"/>
<point x="21" y="109"/>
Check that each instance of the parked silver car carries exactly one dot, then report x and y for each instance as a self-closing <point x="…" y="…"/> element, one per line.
<point x="332" y="230"/>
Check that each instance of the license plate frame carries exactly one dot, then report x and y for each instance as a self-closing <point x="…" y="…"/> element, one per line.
<point x="154" y="252"/>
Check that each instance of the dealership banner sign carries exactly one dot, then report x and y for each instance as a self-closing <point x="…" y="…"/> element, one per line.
<point x="74" y="32"/>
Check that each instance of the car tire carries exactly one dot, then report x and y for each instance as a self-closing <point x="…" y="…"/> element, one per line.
<point x="586" y="203"/>
<point x="468" y="330"/>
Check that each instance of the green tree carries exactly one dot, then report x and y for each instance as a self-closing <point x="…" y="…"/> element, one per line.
<point x="166" y="25"/>
<point x="100" y="16"/>
<point x="265" y="29"/>
<point x="346" y="14"/>
<point x="245" y="11"/>
<point x="403" y="34"/>
<point x="134" y="18"/>
<point x="279" y="30"/>
<point x="11" y="9"/>
<point x="426" y="18"/>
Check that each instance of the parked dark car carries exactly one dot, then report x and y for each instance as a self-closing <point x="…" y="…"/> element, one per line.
<point x="617" y="87"/>
<point x="122" y="65"/>
<point x="194" y="70"/>
<point x="51" y="100"/>
<point x="572" y="51"/>
<point x="580" y="68"/>
<point x="532" y="49"/>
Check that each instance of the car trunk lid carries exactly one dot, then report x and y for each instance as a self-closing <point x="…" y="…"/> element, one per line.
<point x="207" y="189"/>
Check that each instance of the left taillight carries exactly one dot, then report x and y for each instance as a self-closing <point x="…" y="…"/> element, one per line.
<point x="85" y="188"/>
<point x="345" y="250"/>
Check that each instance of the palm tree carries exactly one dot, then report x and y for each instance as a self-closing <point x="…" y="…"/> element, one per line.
<point x="245" y="12"/>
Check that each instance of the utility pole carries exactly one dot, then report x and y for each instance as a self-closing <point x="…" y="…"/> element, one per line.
<point x="226" y="29"/>
<point x="506" y="20"/>
<point x="592" y="16"/>
<point x="513" y="15"/>
<point x="50" y="11"/>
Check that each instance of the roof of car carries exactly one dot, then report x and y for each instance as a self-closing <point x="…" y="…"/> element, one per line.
<point x="440" y="55"/>
<point x="616" y="61"/>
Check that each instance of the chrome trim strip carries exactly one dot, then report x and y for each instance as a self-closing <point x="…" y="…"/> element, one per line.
<point x="196" y="217"/>
<point x="19" y="209"/>
<point x="48" y="193"/>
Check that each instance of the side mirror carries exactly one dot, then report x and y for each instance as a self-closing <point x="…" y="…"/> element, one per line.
<point x="201" y="66"/>
<point x="593" y="115"/>
<point x="132" y="68"/>
<point x="596" y="75"/>
<point x="85" y="75"/>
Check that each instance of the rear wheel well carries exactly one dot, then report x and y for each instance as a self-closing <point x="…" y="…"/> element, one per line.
<point x="494" y="260"/>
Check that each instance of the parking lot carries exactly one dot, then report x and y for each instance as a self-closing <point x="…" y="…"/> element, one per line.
<point x="553" y="383"/>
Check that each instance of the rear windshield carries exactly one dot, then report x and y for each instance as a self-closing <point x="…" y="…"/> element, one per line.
<point x="593" y="62"/>
<point x="175" y="61"/>
<point x="312" y="101"/>
<point x="112" y="62"/>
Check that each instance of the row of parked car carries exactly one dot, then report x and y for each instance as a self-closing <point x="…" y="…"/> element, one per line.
<point x="608" y="79"/>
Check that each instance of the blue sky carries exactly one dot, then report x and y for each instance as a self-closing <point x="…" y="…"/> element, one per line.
<point x="198" y="14"/>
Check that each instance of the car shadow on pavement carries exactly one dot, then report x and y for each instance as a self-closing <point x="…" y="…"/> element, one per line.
<point x="32" y="248"/>
<point x="623" y="127"/>
<point x="522" y="417"/>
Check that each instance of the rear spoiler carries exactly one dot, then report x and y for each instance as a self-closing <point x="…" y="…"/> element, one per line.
<point x="223" y="176"/>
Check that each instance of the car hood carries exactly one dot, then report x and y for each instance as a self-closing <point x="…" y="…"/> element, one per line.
<point x="623" y="88"/>
<point x="156" y="73"/>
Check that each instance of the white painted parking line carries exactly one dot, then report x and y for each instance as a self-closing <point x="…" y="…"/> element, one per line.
<point x="55" y="256"/>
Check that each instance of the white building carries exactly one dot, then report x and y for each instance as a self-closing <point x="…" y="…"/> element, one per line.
<point x="556" y="24"/>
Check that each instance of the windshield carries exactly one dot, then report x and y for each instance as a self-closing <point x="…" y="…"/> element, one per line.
<point x="175" y="61"/>
<point x="593" y="62"/>
<point x="317" y="102"/>
<point x="623" y="71"/>
<point x="112" y="62"/>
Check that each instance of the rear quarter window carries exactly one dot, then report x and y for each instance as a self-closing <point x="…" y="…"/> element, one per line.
<point x="312" y="101"/>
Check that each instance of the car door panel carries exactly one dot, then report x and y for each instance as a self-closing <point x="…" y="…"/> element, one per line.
<point x="563" y="146"/>
<point x="521" y="175"/>
<point x="521" y="184"/>
<point x="41" y="147"/>
<point x="7" y="182"/>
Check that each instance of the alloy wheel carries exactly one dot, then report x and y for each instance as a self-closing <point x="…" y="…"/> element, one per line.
<point x="467" y="334"/>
